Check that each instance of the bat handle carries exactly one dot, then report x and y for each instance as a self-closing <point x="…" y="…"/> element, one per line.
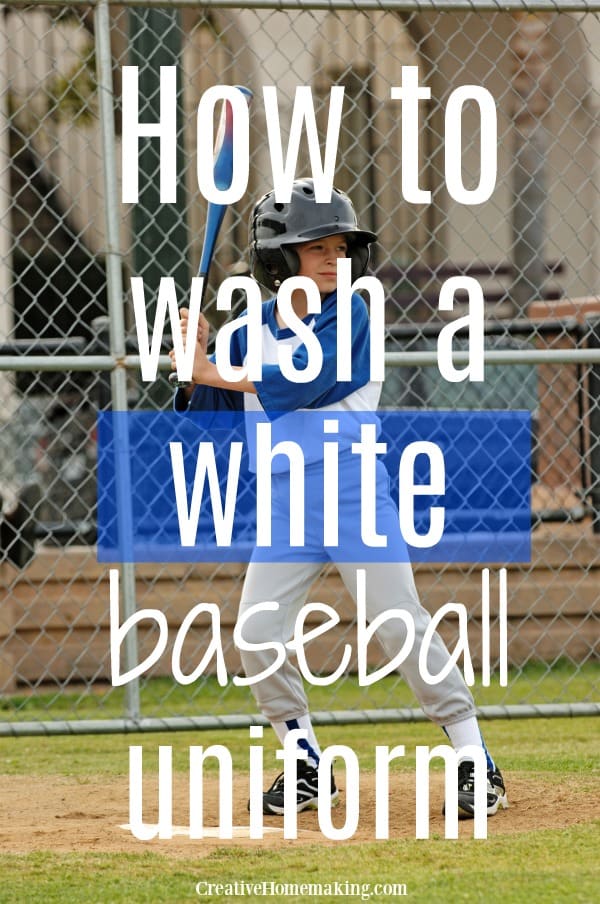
<point x="173" y="380"/>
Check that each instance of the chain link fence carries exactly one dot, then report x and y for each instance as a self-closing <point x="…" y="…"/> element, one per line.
<point x="68" y="342"/>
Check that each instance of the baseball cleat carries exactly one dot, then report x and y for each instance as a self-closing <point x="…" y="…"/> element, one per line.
<point x="496" y="792"/>
<point x="307" y="791"/>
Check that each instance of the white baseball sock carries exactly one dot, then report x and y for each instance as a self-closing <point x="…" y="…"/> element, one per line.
<point x="467" y="732"/>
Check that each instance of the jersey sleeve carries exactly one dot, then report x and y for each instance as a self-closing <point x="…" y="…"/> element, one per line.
<point x="278" y="394"/>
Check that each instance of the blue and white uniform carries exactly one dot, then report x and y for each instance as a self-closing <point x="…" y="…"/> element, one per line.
<point x="389" y="585"/>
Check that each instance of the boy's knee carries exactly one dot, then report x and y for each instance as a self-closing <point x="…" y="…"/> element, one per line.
<point x="254" y="630"/>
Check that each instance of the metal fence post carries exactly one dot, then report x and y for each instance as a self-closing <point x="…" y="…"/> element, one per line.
<point x="116" y="326"/>
<point x="593" y="341"/>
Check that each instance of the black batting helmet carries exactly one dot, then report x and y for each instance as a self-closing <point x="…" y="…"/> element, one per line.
<point x="276" y="227"/>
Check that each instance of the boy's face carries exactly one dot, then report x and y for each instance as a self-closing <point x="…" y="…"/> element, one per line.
<point x="318" y="260"/>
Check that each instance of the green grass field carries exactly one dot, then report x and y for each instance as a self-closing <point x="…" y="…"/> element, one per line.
<point x="535" y="868"/>
<point x="537" y="865"/>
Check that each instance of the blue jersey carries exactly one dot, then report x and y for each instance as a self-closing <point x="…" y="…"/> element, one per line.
<point x="291" y="405"/>
<point x="275" y="392"/>
<point x="298" y="412"/>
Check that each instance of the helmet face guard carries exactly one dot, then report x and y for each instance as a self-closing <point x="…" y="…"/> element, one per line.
<point x="276" y="227"/>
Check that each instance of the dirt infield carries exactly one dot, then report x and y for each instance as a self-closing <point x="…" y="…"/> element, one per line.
<point x="74" y="814"/>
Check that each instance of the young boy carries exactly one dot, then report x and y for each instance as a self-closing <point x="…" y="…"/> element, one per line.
<point x="306" y="238"/>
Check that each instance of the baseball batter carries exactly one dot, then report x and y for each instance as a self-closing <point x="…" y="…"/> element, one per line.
<point x="306" y="238"/>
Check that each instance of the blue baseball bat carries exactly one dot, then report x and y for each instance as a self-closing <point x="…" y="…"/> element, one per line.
<point x="222" y="177"/>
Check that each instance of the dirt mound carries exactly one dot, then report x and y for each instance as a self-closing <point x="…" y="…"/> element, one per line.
<point x="57" y="813"/>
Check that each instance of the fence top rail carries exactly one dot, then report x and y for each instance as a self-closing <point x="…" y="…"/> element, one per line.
<point x="91" y="363"/>
<point x="407" y="6"/>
